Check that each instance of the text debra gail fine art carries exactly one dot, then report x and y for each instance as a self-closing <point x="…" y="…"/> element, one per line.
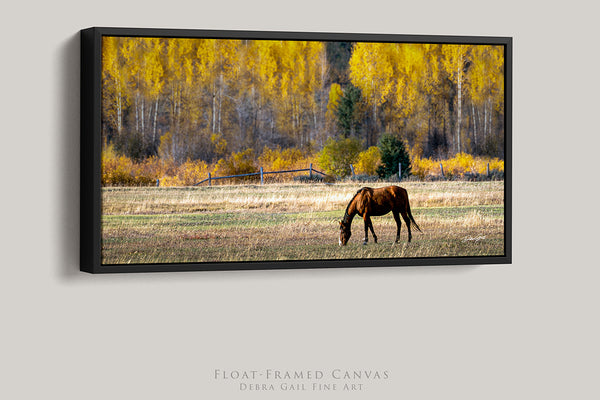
<point x="211" y="150"/>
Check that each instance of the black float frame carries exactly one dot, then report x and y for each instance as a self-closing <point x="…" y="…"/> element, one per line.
<point x="90" y="190"/>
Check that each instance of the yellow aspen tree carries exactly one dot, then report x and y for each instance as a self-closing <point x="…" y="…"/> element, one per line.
<point x="114" y="96"/>
<point x="289" y="65"/>
<point x="372" y="71"/>
<point x="410" y="65"/>
<point x="432" y="88"/>
<point x="263" y="85"/>
<point x="143" y="58"/>
<point x="132" y="51"/>
<point x="335" y="95"/>
<point x="153" y="76"/>
<point x="411" y="102"/>
<point x="455" y="56"/>
<point x="217" y="67"/>
<point x="180" y="78"/>
<point x="308" y="77"/>
<point x="206" y="64"/>
<point x="486" y="89"/>
<point x="316" y="94"/>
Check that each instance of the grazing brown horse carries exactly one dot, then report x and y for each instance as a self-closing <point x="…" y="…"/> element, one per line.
<point x="368" y="202"/>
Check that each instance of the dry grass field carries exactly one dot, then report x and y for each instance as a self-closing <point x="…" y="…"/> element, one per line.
<point x="293" y="222"/>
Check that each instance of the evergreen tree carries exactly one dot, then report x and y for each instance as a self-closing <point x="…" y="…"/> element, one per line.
<point x="347" y="111"/>
<point x="338" y="55"/>
<point x="393" y="152"/>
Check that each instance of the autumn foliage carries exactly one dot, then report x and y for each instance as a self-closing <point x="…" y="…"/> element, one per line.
<point x="122" y="171"/>
<point x="461" y="166"/>
<point x="175" y="109"/>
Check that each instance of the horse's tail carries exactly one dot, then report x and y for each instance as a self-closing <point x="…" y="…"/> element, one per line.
<point x="411" y="217"/>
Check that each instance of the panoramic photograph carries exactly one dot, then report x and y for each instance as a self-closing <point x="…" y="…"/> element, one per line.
<point x="237" y="150"/>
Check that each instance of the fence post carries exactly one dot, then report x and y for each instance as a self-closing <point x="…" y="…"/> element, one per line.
<point x="310" y="173"/>
<point x="442" y="169"/>
<point x="400" y="171"/>
<point x="209" y="179"/>
<point x="352" y="169"/>
<point x="262" y="179"/>
<point x="488" y="170"/>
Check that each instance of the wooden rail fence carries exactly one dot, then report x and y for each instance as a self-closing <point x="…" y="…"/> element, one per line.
<point x="262" y="174"/>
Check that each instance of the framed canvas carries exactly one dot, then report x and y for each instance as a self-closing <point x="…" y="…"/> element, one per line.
<point x="235" y="150"/>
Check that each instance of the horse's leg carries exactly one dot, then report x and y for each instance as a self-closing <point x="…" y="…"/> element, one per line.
<point x="407" y="221"/>
<point x="398" y="225"/>
<point x="369" y="224"/>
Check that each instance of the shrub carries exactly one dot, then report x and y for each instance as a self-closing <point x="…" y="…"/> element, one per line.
<point x="458" y="166"/>
<point x="192" y="172"/>
<point x="237" y="164"/>
<point x="368" y="161"/>
<point x="495" y="165"/>
<point x="461" y="166"/>
<point x="337" y="155"/>
<point x="122" y="171"/>
<point x="277" y="159"/>
<point x="187" y="174"/>
<point x="423" y="167"/>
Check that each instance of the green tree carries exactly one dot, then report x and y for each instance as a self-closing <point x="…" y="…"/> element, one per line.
<point x="338" y="55"/>
<point x="393" y="152"/>
<point x="347" y="112"/>
<point x="337" y="155"/>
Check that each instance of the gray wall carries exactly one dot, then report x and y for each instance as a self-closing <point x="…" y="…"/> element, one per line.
<point x="525" y="331"/>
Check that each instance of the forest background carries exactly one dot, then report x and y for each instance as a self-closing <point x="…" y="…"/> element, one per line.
<point x="175" y="109"/>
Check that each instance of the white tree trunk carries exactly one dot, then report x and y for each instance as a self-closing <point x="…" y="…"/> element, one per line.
<point x="220" y="103"/>
<point x="137" y="117"/>
<point x="485" y="121"/>
<point x="154" y="121"/>
<point x="490" y="117"/>
<point x="119" y="107"/>
<point x="214" y="109"/>
<point x="474" y="124"/>
<point x="143" y="117"/>
<point x="459" y="101"/>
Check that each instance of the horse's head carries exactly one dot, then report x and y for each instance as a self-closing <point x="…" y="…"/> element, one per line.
<point x="344" y="233"/>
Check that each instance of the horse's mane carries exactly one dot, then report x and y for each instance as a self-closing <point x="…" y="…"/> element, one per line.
<point x="350" y="202"/>
<point x="353" y="198"/>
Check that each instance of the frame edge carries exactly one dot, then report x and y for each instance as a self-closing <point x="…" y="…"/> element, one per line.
<point x="90" y="136"/>
<point x="90" y="245"/>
